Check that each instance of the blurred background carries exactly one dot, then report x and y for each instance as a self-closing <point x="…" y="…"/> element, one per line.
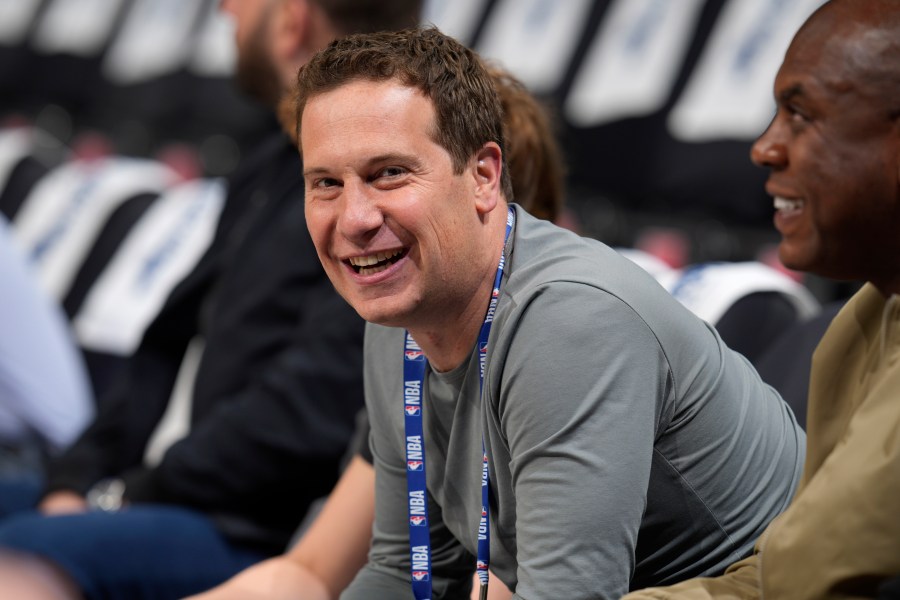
<point x="656" y="103"/>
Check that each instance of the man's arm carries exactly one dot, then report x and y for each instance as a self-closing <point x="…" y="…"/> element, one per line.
<point x="740" y="581"/>
<point x="130" y="410"/>
<point x="386" y="576"/>
<point x="63" y="502"/>
<point x="277" y="441"/>
<point x="127" y="415"/>
<point x="581" y="396"/>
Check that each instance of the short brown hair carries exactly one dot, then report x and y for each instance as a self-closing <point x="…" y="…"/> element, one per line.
<point x="468" y="113"/>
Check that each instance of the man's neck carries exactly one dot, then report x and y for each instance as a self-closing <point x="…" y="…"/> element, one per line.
<point x="449" y="343"/>
<point x="888" y="286"/>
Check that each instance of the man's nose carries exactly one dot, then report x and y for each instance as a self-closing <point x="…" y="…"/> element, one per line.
<point x="769" y="150"/>
<point x="361" y="215"/>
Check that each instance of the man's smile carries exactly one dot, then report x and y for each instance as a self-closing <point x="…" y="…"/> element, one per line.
<point x="788" y="206"/>
<point x="375" y="263"/>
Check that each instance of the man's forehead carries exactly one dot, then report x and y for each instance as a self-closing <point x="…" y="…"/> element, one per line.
<point x="820" y="54"/>
<point x="371" y="118"/>
<point x="845" y="64"/>
<point x="392" y="86"/>
<point x="363" y="101"/>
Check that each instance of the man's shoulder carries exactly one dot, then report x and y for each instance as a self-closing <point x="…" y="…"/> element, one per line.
<point x="548" y="255"/>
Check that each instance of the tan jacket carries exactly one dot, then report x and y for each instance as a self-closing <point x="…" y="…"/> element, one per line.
<point x="840" y="537"/>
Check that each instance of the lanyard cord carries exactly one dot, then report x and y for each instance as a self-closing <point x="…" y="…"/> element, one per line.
<point x="414" y="363"/>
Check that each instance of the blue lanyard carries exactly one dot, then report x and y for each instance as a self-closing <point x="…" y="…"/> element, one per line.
<point x="414" y="363"/>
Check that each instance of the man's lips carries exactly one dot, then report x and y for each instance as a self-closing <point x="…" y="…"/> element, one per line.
<point x="787" y="214"/>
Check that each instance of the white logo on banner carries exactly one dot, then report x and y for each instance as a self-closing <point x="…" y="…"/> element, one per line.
<point x="730" y="91"/>
<point x="15" y="144"/>
<point x="159" y="251"/>
<point x="215" y="54"/>
<point x="77" y="27"/>
<point x="456" y="18"/>
<point x="156" y="39"/>
<point x="633" y="60"/>
<point x="65" y="212"/>
<point x="15" y="18"/>
<point x="535" y="39"/>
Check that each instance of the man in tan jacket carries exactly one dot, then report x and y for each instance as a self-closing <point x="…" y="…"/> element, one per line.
<point x="833" y="150"/>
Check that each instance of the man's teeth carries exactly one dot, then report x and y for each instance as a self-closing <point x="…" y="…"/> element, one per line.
<point x="374" y="263"/>
<point x="787" y="204"/>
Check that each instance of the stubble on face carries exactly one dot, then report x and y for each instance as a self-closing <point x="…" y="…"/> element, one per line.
<point x="256" y="74"/>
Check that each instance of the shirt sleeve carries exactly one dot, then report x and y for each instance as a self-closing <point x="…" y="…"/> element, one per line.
<point x="359" y="446"/>
<point x="841" y="534"/>
<point x="583" y="388"/>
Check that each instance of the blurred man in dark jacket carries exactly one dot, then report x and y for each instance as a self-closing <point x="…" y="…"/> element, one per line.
<point x="276" y="390"/>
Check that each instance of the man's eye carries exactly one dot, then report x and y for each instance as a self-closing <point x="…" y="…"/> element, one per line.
<point x="797" y="115"/>
<point x="391" y="172"/>
<point x="325" y="182"/>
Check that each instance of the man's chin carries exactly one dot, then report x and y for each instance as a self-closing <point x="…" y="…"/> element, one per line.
<point x="792" y="258"/>
<point x="379" y="314"/>
<point x="386" y="306"/>
<point x="384" y="319"/>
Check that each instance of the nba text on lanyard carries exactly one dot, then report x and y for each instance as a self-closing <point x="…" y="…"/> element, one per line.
<point x="413" y="381"/>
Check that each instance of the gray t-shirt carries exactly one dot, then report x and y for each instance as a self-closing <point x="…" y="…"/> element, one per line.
<point x="628" y="446"/>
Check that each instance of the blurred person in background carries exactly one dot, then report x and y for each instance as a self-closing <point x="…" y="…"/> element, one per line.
<point x="274" y="395"/>
<point x="45" y="396"/>
<point x="833" y="152"/>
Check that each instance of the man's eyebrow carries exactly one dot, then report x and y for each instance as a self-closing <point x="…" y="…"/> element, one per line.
<point x="307" y="173"/>
<point x="789" y="93"/>
<point x="401" y="159"/>
<point x="410" y="160"/>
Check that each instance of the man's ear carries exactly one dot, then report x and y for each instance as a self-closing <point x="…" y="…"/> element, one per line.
<point x="487" y="171"/>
